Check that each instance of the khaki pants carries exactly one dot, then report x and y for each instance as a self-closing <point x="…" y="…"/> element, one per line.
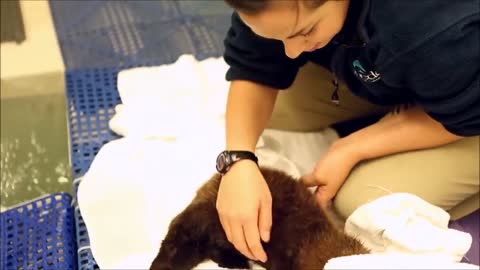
<point x="446" y="176"/>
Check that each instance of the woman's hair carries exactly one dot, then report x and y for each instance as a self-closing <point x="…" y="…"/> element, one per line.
<point x="256" y="6"/>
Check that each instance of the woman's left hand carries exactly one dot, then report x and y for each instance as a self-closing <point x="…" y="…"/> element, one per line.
<point x="332" y="170"/>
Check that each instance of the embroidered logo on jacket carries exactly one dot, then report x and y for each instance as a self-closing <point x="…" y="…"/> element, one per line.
<point x="364" y="75"/>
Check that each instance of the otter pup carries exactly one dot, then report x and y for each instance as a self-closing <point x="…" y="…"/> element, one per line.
<point x="301" y="236"/>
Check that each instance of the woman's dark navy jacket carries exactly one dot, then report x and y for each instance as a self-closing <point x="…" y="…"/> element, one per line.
<point x="425" y="52"/>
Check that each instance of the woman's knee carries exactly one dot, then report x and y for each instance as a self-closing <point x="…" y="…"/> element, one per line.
<point x="357" y="190"/>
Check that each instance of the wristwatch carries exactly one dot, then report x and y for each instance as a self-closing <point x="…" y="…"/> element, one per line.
<point x="226" y="159"/>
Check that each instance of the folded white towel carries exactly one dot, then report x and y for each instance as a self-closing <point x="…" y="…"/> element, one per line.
<point x="404" y="232"/>
<point x="405" y="223"/>
<point x="171" y="100"/>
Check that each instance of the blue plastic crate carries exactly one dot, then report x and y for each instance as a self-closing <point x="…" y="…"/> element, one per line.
<point x="39" y="235"/>
<point x="138" y="33"/>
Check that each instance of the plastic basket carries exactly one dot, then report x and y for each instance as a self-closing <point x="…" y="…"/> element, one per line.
<point x="39" y="235"/>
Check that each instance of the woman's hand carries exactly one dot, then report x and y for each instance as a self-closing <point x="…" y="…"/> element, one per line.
<point x="332" y="170"/>
<point x="244" y="205"/>
<point x="404" y="130"/>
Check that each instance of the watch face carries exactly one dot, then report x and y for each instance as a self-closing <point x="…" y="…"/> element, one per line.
<point x="222" y="162"/>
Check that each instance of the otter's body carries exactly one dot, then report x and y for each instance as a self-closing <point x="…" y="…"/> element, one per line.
<point x="301" y="236"/>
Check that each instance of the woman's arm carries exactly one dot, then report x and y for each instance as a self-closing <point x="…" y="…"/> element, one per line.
<point x="249" y="107"/>
<point x="411" y="129"/>
<point x="244" y="201"/>
<point x="399" y="132"/>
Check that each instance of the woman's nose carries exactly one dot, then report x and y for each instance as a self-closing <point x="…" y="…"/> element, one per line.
<point x="294" y="47"/>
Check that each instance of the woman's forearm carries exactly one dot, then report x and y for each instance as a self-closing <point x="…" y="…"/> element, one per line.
<point x="249" y="108"/>
<point x="407" y="130"/>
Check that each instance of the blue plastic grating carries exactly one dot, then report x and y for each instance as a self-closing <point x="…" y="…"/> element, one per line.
<point x="86" y="260"/>
<point x="138" y="33"/>
<point x="39" y="235"/>
<point x="82" y="233"/>
<point x="91" y="97"/>
<point x="85" y="256"/>
<point x="81" y="229"/>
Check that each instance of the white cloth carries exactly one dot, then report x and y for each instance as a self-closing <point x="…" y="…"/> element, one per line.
<point x="172" y="119"/>
<point x="404" y="232"/>
<point x="171" y="101"/>
<point x="135" y="187"/>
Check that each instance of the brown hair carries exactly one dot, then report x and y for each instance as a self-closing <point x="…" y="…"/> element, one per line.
<point x="257" y="6"/>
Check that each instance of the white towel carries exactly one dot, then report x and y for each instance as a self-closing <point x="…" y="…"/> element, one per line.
<point x="404" y="232"/>
<point x="172" y="120"/>
<point x="169" y="101"/>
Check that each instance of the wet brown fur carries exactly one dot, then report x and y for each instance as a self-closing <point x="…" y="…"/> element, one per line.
<point x="302" y="237"/>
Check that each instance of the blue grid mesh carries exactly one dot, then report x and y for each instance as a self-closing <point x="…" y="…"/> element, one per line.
<point x="138" y="33"/>
<point x="86" y="260"/>
<point x="39" y="235"/>
<point x="85" y="257"/>
<point x="81" y="229"/>
<point x="91" y="97"/>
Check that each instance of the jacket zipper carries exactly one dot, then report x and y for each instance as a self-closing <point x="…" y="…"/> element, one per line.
<point x="335" y="98"/>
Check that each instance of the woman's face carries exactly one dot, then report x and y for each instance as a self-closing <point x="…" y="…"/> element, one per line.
<point x="299" y="27"/>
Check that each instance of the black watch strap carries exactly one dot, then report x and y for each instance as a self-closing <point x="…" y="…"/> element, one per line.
<point x="239" y="155"/>
<point x="227" y="158"/>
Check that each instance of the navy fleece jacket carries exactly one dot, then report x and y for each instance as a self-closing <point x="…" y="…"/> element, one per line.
<point x="391" y="52"/>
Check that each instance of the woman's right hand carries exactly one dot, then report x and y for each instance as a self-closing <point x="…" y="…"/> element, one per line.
<point x="244" y="205"/>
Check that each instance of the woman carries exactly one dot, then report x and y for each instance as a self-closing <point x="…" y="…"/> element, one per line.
<point x="387" y="53"/>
